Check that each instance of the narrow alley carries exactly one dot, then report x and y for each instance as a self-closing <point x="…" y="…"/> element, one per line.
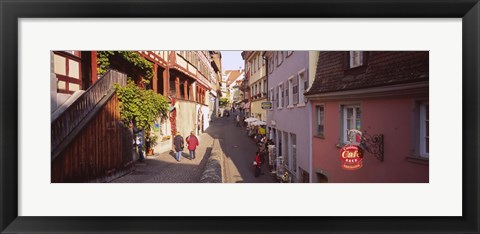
<point x="238" y="151"/>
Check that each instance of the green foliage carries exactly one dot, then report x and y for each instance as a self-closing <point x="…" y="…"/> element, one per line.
<point x="223" y="102"/>
<point x="132" y="57"/>
<point x="141" y="106"/>
<point x="103" y="61"/>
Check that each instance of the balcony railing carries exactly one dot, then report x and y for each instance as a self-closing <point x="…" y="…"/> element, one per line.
<point x="64" y="124"/>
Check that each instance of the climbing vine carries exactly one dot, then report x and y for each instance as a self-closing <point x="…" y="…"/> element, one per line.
<point x="132" y="57"/>
<point x="140" y="106"/>
<point x="223" y="102"/>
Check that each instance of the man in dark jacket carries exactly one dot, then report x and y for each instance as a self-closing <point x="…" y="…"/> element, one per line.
<point x="178" y="143"/>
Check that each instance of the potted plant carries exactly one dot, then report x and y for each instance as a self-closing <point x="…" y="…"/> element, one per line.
<point x="150" y="142"/>
<point x="166" y="138"/>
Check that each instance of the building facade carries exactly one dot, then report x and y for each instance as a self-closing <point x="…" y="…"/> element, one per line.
<point x="234" y="77"/>
<point x="380" y="96"/>
<point x="216" y="93"/>
<point x="191" y="79"/>
<point x="288" y="120"/>
<point x="257" y="83"/>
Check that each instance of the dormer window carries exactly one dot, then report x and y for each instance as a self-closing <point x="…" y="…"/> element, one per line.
<point x="356" y="58"/>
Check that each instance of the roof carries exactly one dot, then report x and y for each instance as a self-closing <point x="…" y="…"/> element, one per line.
<point x="232" y="75"/>
<point x="383" y="68"/>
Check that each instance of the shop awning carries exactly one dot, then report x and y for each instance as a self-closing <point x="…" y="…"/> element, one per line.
<point x="213" y="93"/>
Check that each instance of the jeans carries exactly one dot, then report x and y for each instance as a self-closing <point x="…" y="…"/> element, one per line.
<point x="192" y="154"/>
<point x="140" y="152"/>
<point x="179" y="154"/>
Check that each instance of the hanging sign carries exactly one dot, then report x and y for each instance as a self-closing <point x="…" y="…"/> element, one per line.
<point x="351" y="157"/>
<point x="267" y="105"/>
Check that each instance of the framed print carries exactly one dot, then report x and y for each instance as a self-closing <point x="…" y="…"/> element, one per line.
<point x="427" y="50"/>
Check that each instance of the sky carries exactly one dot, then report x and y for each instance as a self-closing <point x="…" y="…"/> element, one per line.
<point x="232" y="60"/>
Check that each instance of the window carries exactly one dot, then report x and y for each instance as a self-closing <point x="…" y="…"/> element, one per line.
<point x="279" y="134"/>
<point x="287" y="97"/>
<point x="277" y="57"/>
<point x="303" y="85"/>
<point x="351" y="120"/>
<point x="320" y="120"/>
<point x="67" y="66"/>
<point x="356" y="59"/>
<point x="293" y="147"/>
<point x="304" y="176"/>
<point x="258" y="62"/>
<point x="286" y="158"/>
<point x="279" y="98"/>
<point x="281" y="95"/>
<point x="290" y="90"/>
<point x="274" y="98"/>
<point x="294" y="81"/>
<point x="424" y="130"/>
<point x="281" y="56"/>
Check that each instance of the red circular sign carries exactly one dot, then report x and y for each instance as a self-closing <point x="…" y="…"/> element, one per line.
<point x="351" y="156"/>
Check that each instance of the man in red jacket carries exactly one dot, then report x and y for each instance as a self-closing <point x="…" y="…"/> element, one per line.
<point x="192" y="142"/>
<point x="258" y="166"/>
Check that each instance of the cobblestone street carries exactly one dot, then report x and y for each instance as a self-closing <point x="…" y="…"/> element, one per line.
<point x="164" y="168"/>
<point x="222" y="136"/>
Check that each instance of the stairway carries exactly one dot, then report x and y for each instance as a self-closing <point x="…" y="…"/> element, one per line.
<point x="67" y="124"/>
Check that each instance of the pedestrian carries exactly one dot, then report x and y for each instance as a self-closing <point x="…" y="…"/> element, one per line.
<point x="258" y="164"/>
<point x="238" y="120"/>
<point x="139" y="143"/>
<point x="178" y="142"/>
<point x="192" y="142"/>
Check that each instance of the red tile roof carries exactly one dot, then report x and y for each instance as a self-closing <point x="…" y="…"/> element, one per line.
<point x="382" y="68"/>
<point x="232" y="75"/>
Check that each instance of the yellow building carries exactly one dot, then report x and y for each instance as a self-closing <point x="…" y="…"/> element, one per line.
<point x="257" y="83"/>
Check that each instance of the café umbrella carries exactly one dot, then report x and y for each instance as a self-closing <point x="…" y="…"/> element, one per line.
<point x="258" y="123"/>
<point x="251" y="119"/>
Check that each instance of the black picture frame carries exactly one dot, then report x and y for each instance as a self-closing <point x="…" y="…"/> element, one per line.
<point x="11" y="11"/>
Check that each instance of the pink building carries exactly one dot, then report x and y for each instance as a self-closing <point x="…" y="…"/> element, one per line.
<point x="381" y="94"/>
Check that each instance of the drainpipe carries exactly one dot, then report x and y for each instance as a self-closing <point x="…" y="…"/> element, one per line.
<point x="267" y="133"/>
<point x="266" y="71"/>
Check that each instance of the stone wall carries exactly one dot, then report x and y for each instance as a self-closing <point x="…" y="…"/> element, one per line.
<point x="213" y="172"/>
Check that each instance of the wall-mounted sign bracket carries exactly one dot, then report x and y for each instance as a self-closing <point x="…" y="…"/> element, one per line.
<point x="370" y="143"/>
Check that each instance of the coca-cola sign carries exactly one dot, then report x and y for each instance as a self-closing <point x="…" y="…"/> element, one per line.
<point x="351" y="157"/>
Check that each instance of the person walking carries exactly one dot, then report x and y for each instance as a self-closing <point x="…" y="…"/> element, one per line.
<point x="178" y="143"/>
<point x="192" y="142"/>
<point x="139" y="143"/>
<point x="238" y="120"/>
<point x="258" y="164"/>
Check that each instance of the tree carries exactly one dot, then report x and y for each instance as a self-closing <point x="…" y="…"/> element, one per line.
<point x="223" y="102"/>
